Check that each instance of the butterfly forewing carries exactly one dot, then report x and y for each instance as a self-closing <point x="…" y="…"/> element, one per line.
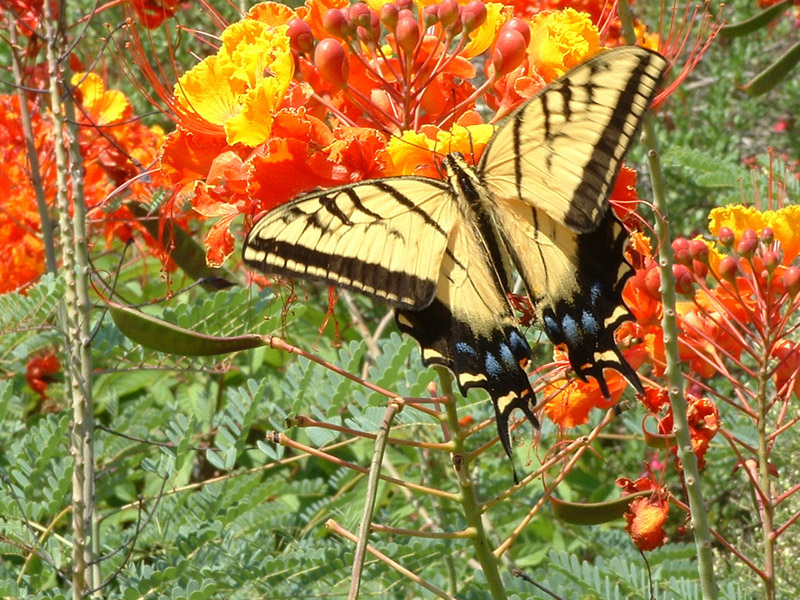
<point x="385" y="238"/>
<point x="561" y="150"/>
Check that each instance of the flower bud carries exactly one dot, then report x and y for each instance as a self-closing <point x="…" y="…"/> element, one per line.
<point x="683" y="279"/>
<point x="331" y="62"/>
<point x="335" y="22"/>
<point x="726" y="237"/>
<point x="748" y="244"/>
<point x="359" y="14"/>
<point x="389" y="14"/>
<point x="767" y="236"/>
<point x="473" y="15"/>
<point x="770" y="260"/>
<point x="652" y="283"/>
<point x="509" y="51"/>
<point x="407" y="34"/>
<point x="698" y="250"/>
<point x="729" y="269"/>
<point x="404" y="4"/>
<point x="430" y="15"/>
<point x="522" y="27"/>
<point x="791" y="280"/>
<point x="456" y="26"/>
<point x="300" y="36"/>
<point x="447" y="12"/>
<point x="700" y="268"/>
<point x="680" y="248"/>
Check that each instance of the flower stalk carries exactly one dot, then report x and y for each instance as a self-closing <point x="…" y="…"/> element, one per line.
<point x="469" y="503"/>
<point x="691" y="473"/>
<point x="75" y="324"/>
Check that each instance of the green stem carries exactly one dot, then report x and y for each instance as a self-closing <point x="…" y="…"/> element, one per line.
<point x="764" y="500"/>
<point x="691" y="473"/>
<point x="469" y="503"/>
<point x="33" y="156"/>
<point x="372" y="491"/>
<point x="75" y="262"/>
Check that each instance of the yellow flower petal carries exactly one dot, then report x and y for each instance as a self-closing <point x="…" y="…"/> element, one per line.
<point x="271" y="13"/>
<point x="253" y="124"/>
<point x="251" y="72"/>
<point x="786" y="225"/>
<point x="561" y="39"/>
<point x="206" y="90"/>
<point x="103" y="107"/>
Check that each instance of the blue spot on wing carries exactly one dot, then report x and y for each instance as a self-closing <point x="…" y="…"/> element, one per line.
<point x="493" y="368"/>
<point x="571" y="330"/>
<point x="464" y="348"/>
<point x="589" y="323"/>
<point x="507" y="356"/>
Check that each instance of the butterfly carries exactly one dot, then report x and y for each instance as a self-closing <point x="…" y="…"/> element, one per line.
<point x="443" y="252"/>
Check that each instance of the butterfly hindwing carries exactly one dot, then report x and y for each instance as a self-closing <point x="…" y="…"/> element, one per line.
<point x="575" y="282"/>
<point x="385" y="238"/>
<point x="561" y="150"/>
<point x="470" y="327"/>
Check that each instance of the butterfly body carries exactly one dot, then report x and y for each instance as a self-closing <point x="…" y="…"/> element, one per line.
<point x="442" y="252"/>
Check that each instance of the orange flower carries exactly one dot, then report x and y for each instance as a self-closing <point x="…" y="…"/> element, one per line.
<point x="703" y="417"/>
<point x="787" y="373"/>
<point x="645" y="522"/>
<point x="40" y="370"/>
<point x="569" y="401"/>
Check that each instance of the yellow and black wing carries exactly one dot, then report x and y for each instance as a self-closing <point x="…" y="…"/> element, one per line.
<point x="562" y="149"/>
<point x="411" y="243"/>
<point x="550" y="169"/>
<point x="384" y="238"/>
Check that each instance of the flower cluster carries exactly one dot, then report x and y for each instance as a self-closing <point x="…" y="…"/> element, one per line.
<point x="332" y="93"/>
<point x="115" y="149"/>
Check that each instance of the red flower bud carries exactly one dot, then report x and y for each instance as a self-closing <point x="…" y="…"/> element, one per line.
<point x="389" y="15"/>
<point x="683" y="279"/>
<point x="680" y="248"/>
<point x="473" y="15"/>
<point x="726" y="237"/>
<point x="522" y="27"/>
<point x="456" y="27"/>
<point x="407" y="34"/>
<point x="652" y="283"/>
<point x="791" y="280"/>
<point x="748" y="244"/>
<point x="698" y="250"/>
<point x="447" y="12"/>
<point x="331" y="61"/>
<point x="767" y="236"/>
<point x="300" y="36"/>
<point x="509" y="51"/>
<point x="430" y="15"/>
<point x="771" y="260"/>
<point x="359" y="14"/>
<point x="729" y="268"/>
<point x="335" y="22"/>
<point x="700" y="268"/>
<point x="404" y="4"/>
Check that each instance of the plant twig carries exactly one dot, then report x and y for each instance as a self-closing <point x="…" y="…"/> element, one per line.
<point x="699" y="514"/>
<point x="372" y="491"/>
<point x="469" y="503"/>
